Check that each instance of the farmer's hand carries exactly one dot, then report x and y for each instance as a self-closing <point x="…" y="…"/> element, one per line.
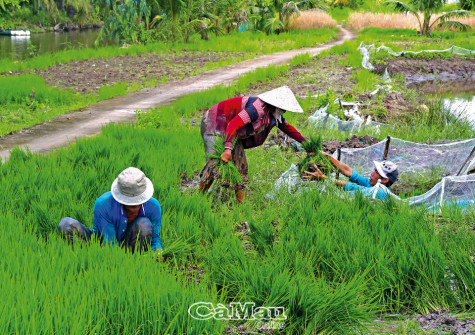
<point x="227" y="155"/>
<point x="314" y="175"/>
<point x="160" y="257"/>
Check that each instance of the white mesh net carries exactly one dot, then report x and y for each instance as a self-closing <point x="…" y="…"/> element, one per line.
<point x="365" y="51"/>
<point x="450" y="191"/>
<point x="323" y="120"/>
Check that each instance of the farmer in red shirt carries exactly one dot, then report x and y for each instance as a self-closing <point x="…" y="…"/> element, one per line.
<point x="250" y="119"/>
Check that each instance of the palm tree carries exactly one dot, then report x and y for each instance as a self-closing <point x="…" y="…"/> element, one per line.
<point x="427" y="8"/>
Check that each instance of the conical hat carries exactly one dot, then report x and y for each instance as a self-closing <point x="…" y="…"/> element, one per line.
<point x="282" y="97"/>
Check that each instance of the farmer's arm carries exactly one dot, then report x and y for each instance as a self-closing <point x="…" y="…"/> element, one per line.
<point x="291" y="131"/>
<point x="319" y="175"/>
<point x="359" y="179"/>
<point x="344" y="169"/>
<point x="103" y="225"/>
<point x="154" y="213"/>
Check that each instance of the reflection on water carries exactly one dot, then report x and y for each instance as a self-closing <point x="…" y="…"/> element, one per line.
<point x="461" y="107"/>
<point x="16" y="47"/>
<point x="458" y="96"/>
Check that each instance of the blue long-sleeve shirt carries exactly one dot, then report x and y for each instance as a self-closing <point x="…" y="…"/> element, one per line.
<point x="358" y="183"/>
<point x="110" y="219"/>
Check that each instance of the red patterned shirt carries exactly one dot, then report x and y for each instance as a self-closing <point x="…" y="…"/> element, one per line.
<point x="247" y="117"/>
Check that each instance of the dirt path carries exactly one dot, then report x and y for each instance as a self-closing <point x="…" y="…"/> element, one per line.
<point x="64" y="129"/>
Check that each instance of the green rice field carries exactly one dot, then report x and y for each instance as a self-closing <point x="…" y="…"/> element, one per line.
<point x="333" y="265"/>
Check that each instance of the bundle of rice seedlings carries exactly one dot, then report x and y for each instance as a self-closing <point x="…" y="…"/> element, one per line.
<point x="314" y="155"/>
<point x="178" y="248"/>
<point x="228" y="172"/>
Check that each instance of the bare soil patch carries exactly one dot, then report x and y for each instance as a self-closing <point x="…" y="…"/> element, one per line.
<point x="445" y="322"/>
<point x="315" y="77"/>
<point x="352" y="142"/>
<point x="87" y="76"/>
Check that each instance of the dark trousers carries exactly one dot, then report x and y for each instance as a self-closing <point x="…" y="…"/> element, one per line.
<point x="140" y="230"/>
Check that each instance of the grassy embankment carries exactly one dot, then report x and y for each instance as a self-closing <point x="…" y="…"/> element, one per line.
<point x="19" y="112"/>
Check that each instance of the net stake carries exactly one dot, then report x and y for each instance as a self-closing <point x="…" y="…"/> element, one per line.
<point x="386" y="147"/>
<point x="338" y="154"/>
<point x="471" y="153"/>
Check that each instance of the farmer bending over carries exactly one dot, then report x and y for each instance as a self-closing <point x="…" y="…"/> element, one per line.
<point x="250" y="119"/>
<point x="376" y="186"/>
<point x="123" y="216"/>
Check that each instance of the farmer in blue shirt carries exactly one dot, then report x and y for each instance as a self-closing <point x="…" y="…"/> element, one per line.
<point x="124" y="216"/>
<point x="376" y="186"/>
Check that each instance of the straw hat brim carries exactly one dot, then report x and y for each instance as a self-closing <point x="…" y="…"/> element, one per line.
<point x="132" y="201"/>
<point x="282" y="97"/>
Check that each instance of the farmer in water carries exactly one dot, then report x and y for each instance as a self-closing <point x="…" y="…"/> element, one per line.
<point x="376" y="186"/>
<point x="250" y="119"/>
<point x="125" y="215"/>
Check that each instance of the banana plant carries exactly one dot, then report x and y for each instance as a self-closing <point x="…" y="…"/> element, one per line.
<point x="424" y="10"/>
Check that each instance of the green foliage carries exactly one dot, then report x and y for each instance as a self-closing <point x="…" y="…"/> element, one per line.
<point x="124" y="23"/>
<point x="340" y="14"/>
<point x="427" y="8"/>
<point x="467" y="4"/>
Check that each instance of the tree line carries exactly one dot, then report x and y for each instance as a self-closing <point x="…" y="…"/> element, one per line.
<point x="140" y="21"/>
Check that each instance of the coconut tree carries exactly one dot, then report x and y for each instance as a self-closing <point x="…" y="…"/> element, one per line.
<point x="427" y="9"/>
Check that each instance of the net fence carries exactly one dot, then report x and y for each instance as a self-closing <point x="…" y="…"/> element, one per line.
<point x="413" y="159"/>
<point x="366" y="50"/>
<point x="451" y="191"/>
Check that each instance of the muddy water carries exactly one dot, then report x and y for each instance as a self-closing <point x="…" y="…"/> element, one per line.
<point x="18" y="47"/>
<point x="458" y="96"/>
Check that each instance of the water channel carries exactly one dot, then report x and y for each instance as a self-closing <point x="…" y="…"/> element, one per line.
<point x="458" y="96"/>
<point x="19" y="47"/>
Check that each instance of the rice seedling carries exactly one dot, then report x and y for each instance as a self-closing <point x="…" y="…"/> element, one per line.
<point x="314" y="155"/>
<point x="365" y="80"/>
<point x="227" y="171"/>
<point x="312" y="19"/>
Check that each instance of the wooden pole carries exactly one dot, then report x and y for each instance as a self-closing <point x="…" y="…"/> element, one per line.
<point x="338" y="153"/>
<point x="326" y="120"/>
<point x="386" y="148"/>
<point x="464" y="163"/>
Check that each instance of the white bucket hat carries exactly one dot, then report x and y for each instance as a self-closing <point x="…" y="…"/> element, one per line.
<point x="282" y="97"/>
<point x="132" y="188"/>
<point x="387" y="169"/>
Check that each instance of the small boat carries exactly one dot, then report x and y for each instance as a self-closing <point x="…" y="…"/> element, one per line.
<point x="15" y="32"/>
